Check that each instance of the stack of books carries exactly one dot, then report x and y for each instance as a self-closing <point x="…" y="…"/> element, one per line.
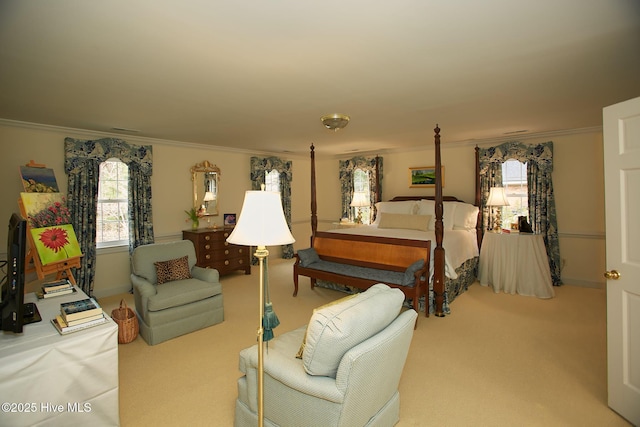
<point x="78" y="315"/>
<point x="56" y="289"/>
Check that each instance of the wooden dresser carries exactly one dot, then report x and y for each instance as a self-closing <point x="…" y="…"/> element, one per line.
<point x="213" y="251"/>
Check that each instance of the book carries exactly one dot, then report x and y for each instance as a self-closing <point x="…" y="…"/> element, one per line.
<point x="61" y="327"/>
<point x="56" y="285"/>
<point x="58" y="293"/>
<point x="79" y="309"/>
<point x="67" y="289"/>
<point x="64" y="323"/>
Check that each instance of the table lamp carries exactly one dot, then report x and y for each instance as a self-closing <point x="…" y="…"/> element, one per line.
<point x="497" y="199"/>
<point x="360" y="200"/>
<point x="261" y="224"/>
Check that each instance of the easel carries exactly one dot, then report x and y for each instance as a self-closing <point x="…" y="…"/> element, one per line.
<point x="60" y="268"/>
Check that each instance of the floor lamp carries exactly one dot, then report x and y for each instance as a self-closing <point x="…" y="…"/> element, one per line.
<point x="261" y="224"/>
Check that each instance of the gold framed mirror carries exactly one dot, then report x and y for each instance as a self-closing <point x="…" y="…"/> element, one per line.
<point x="206" y="188"/>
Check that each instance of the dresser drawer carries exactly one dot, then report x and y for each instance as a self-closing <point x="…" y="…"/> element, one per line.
<point x="213" y="251"/>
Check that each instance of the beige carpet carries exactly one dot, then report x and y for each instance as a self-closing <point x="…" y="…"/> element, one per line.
<point x="497" y="360"/>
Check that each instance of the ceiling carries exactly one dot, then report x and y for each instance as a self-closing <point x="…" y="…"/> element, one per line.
<point x="258" y="75"/>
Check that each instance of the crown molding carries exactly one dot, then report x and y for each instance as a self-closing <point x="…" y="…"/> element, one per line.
<point x="93" y="134"/>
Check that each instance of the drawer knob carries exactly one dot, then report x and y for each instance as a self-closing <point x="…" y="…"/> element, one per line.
<point x="240" y="250"/>
<point x="207" y="246"/>
<point x="226" y="243"/>
<point x="207" y="256"/>
<point x="240" y="261"/>
<point x="226" y="262"/>
<point x="207" y="237"/>
<point x="226" y="252"/>
<point x="226" y="234"/>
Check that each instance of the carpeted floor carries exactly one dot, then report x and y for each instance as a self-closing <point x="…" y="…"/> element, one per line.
<point x="497" y="360"/>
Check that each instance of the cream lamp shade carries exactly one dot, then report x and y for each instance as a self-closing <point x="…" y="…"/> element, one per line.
<point x="261" y="221"/>
<point x="360" y="199"/>
<point x="497" y="197"/>
<point x="208" y="197"/>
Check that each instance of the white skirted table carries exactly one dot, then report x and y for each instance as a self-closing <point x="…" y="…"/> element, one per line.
<point x="515" y="263"/>
<point x="52" y="379"/>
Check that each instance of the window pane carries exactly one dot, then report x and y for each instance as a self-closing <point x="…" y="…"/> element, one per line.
<point x="112" y="213"/>
<point x="514" y="180"/>
<point x="361" y="184"/>
<point x="272" y="181"/>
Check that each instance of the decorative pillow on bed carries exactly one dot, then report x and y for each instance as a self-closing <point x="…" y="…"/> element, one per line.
<point x="408" y="207"/>
<point x="408" y="222"/>
<point x="334" y="330"/>
<point x="173" y="269"/>
<point x="308" y="256"/>
<point x="465" y="216"/>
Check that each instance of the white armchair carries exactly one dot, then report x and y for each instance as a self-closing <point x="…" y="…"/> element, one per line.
<point x="355" y="351"/>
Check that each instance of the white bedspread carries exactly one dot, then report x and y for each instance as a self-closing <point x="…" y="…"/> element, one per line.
<point x="459" y="245"/>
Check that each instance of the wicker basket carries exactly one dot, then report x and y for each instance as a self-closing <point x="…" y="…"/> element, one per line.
<point x="127" y="323"/>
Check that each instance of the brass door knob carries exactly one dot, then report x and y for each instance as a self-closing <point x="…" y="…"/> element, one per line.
<point x="613" y="274"/>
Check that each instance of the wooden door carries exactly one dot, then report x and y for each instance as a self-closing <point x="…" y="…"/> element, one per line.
<point x="621" y="125"/>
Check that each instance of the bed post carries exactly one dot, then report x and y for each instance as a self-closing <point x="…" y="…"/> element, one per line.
<point x="314" y="205"/>
<point x="438" y="253"/>
<point x="378" y="182"/>
<point x="478" y="201"/>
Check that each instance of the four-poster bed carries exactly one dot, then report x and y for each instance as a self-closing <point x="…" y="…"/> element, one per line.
<point x="452" y="271"/>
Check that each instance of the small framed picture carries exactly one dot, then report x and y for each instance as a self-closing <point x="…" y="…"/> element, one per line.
<point x="229" y="219"/>
<point x="424" y="177"/>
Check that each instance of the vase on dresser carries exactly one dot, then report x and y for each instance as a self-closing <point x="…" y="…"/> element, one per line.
<point x="213" y="250"/>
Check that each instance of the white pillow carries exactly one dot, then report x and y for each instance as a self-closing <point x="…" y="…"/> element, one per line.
<point x="408" y="207"/>
<point x="428" y="207"/>
<point x="335" y="329"/>
<point x="465" y="216"/>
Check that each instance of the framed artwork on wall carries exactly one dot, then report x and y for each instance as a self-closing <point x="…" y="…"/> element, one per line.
<point x="424" y="177"/>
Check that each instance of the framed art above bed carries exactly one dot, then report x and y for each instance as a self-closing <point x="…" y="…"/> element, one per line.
<point x="424" y="177"/>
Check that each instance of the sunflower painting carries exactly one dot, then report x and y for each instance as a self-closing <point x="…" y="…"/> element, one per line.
<point x="56" y="243"/>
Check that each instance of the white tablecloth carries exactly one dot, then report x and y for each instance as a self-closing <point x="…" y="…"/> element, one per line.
<point x="50" y="379"/>
<point x="515" y="263"/>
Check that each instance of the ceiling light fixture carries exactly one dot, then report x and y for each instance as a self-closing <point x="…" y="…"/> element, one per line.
<point x="335" y="121"/>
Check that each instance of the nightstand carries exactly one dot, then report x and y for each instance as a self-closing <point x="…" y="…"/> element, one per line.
<point x="213" y="250"/>
<point x="515" y="263"/>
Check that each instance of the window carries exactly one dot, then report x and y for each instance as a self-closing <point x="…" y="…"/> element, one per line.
<point x="272" y="181"/>
<point x="112" y="228"/>
<point x="361" y="185"/>
<point x="514" y="180"/>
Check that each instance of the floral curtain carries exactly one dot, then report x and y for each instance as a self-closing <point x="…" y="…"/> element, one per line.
<point x="542" y="206"/>
<point x="82" y="165"/>
<point x="259" y="166"/>
<point x="347" y="169"/>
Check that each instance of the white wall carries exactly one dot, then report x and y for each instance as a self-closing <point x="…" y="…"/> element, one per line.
<point x="578" y="184"/>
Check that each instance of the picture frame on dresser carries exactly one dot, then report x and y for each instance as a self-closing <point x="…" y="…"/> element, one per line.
<point x="229" y="220"/>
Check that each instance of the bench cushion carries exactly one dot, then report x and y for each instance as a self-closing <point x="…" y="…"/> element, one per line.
<point x="335" y="329"/>
<point x="405" y="278"/>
